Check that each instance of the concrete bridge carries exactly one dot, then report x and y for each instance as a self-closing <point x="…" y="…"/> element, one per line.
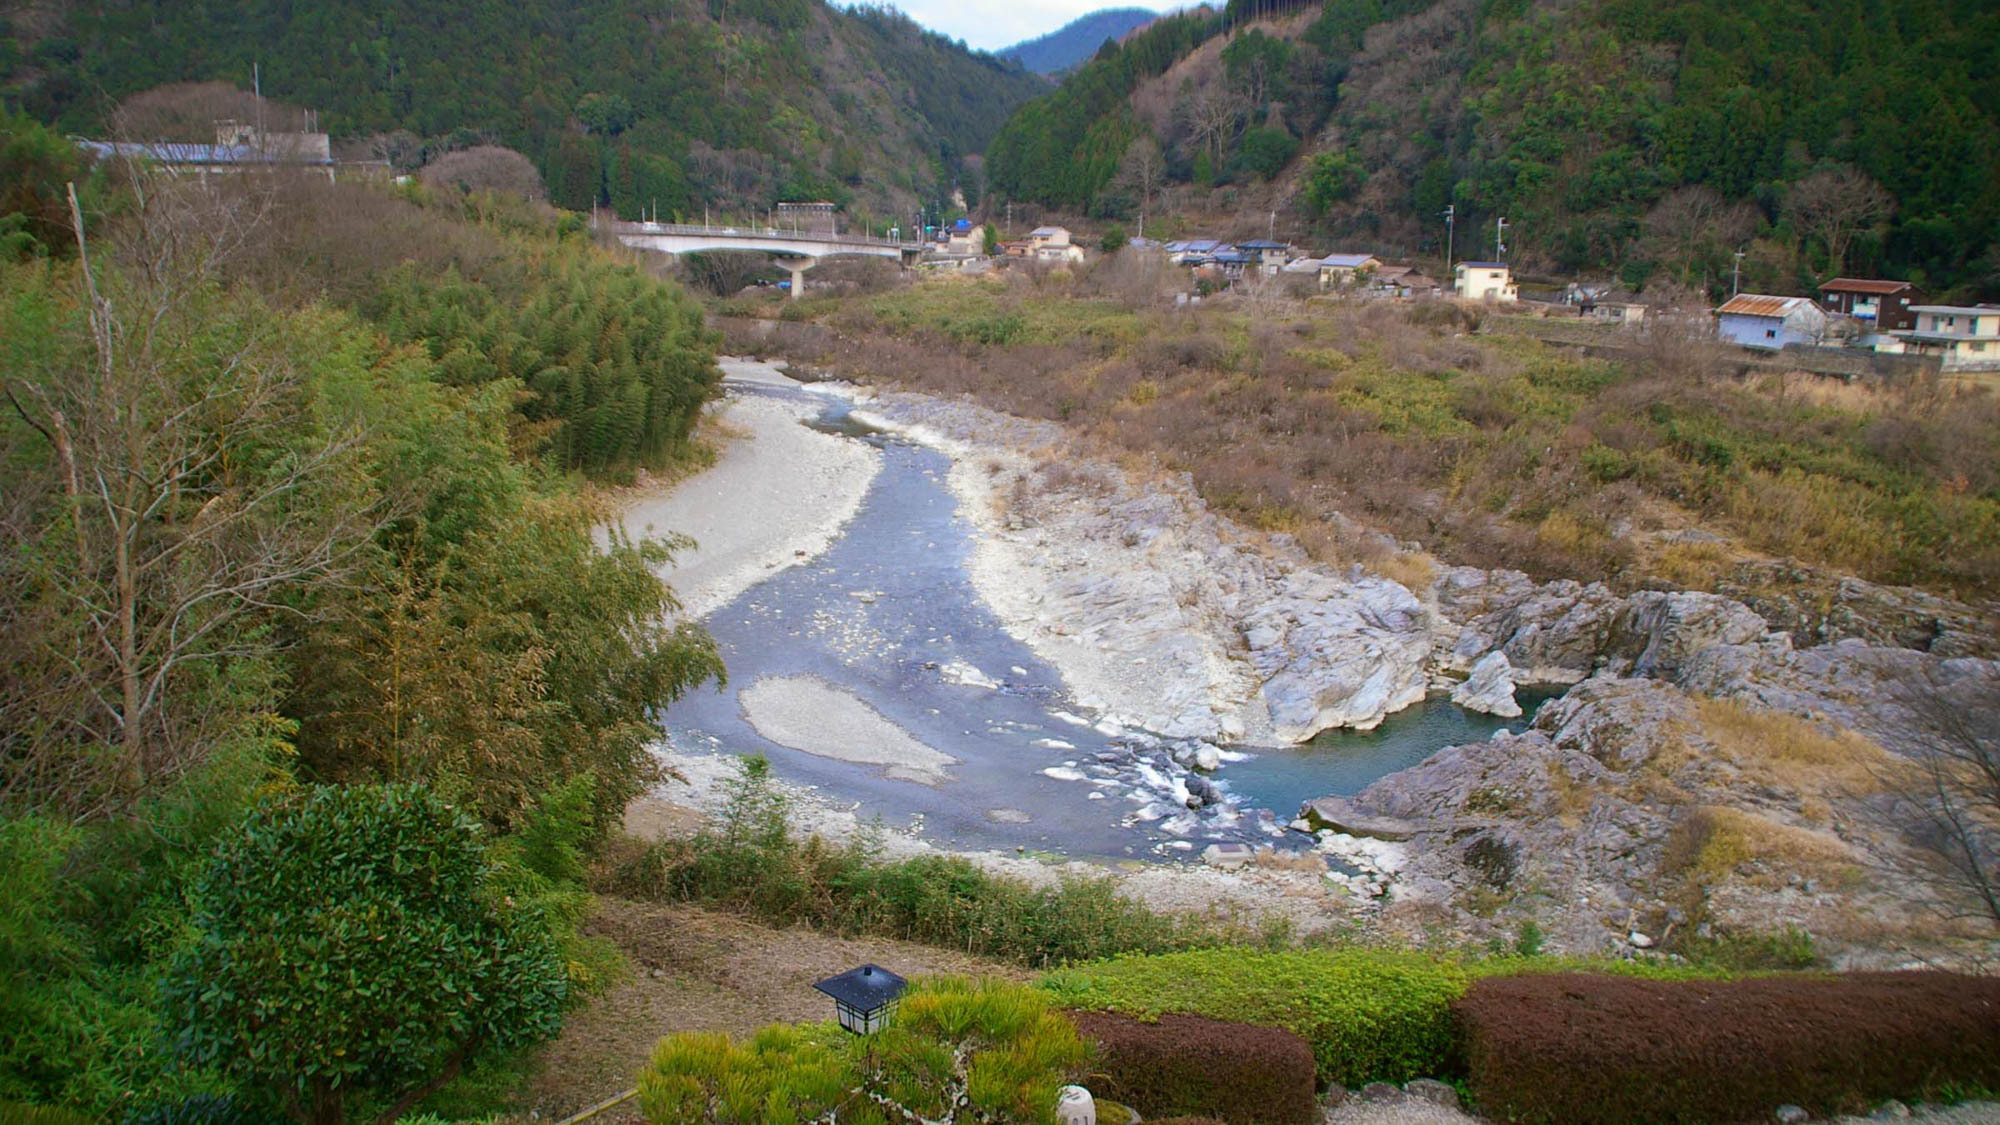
<point x="795" y="250"/>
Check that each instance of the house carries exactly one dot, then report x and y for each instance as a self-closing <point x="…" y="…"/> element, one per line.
<point x="1017" y="248"/>
<point x="1484" y="281"/>
<point x="1963" y="337"/>
<point x="1185" y="252"/>
<point x="1402" y="281"/>
<point x="1065" y="254"/>
<point x="1754" y="320"/>
<point x="1621" y="311"/>
<point x="1049" y="236"/>
<point x="965" y="239"/>
<point x="813" y="217"/>
<point x="1341" y="269"/>
<point x="1888" y="305"/>
<point x="1269" y="256"/>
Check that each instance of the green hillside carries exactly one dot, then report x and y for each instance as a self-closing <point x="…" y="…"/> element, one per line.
<point x="1653" y="136"/>
<point x="723" y="102"/>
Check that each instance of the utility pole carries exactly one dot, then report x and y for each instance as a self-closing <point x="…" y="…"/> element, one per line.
<point x="1450" y="214"/>
<point x="1499" y="247"/>
<point x="1272" y="234"/>
<point x="1736" y="282"/>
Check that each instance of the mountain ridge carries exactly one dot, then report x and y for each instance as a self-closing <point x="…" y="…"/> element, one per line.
<point x="1654" y="139"/>
<point x="725" y="103"/>
<point x="1077" y="40"/>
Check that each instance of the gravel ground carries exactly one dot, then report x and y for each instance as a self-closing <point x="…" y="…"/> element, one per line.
<point x="776" y="497"/>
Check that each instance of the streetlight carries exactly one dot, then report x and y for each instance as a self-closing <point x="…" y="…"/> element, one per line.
<point x="864" y="998"/>
<point x="1450" y="214"/>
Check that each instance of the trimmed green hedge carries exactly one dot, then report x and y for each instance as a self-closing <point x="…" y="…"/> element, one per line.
<point x="1370" y="1015"/>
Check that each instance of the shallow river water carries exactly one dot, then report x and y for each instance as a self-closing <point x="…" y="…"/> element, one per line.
<point x="889" y="616"/>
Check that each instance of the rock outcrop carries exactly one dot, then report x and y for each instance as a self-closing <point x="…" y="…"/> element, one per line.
<point x="1490" y="687"/>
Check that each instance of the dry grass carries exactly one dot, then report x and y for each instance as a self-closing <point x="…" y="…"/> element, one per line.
<point x="695" y="970"/>
<point x="1791" y="753"/>
<point x="1736" y="837"/>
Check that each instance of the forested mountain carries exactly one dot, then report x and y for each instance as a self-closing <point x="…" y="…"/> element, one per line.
<point x="1650" y="136"/>
<point x="1077" y="40"/>
<point x="622" y="102"/>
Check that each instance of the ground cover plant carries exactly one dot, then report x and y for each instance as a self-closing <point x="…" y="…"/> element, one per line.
<point x="1590" y="1048"/>
<point x="1188" y="1065"/>
<point x="751" y="861"/>
<point x="1489" y="450"/>
<point x="957" y="1049"/>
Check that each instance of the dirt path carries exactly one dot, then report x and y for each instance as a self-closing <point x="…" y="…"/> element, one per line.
<point x="696" y="970"/>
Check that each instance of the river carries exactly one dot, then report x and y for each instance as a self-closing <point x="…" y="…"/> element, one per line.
<point x="876" y="675"/>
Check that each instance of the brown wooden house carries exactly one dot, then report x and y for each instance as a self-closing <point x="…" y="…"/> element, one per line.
<point x="1886" y="303"/>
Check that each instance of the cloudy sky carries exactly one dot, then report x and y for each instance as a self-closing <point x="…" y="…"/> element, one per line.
<point x="989" y="25"/>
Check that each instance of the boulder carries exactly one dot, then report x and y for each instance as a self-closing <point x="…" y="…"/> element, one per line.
<point x="1340" y="815"/>
<point x="1659" y="632"/>
<point x="1337" y="653"/>
<point x="1227" y="857"/>
<point x="1490" y="687"/>
<point x="1433" y="1091"/>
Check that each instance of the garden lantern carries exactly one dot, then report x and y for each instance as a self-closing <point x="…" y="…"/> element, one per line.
<point x="863" y="998"/>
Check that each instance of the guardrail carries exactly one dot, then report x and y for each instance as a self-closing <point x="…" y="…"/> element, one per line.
<point x="709" y="229"/>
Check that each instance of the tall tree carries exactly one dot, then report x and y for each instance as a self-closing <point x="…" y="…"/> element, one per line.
<point x="1837" y="205"/>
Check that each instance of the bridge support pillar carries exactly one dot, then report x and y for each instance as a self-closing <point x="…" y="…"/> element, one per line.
<point x="799" y="266"/>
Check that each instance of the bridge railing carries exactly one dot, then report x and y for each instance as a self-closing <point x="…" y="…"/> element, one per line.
<point x="724" y="231"/>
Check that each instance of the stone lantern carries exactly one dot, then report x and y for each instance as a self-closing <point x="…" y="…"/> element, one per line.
<point x="863" y="998"/>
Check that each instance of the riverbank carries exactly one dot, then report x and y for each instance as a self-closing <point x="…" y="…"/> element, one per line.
<point x="777" y="496"/>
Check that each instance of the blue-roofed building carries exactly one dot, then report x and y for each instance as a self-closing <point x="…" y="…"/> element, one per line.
<point x="237" y="148"/>
<point x="1185" y="251"/>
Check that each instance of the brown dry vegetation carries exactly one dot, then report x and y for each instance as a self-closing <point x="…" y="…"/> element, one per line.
<point x="1488" y="450"/>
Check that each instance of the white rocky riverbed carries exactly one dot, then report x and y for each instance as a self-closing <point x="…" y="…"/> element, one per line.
<point x="1177" y="635"/>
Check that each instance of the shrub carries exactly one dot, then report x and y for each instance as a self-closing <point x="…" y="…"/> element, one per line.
<point x="350" y="940"/>
<point x="752" y="863"/>
<point x="1191" y="1065"/>
<point x="989" y="1050"/>
<point x="1588" y="1048"/>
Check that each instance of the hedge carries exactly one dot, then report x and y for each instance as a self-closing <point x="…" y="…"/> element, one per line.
<point x="1582" y="1048"/>
<point x="1370" y="1015"/>
<point x="1188" y="1065"/>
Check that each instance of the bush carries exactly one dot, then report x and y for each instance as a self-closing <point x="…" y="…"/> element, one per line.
<point x="752" y="863"/>
<point x="349" y="940"/>
<point x="1582" y="1048"/>
<point x="989" y="1050"/>
<point x="1189" y="1065"/>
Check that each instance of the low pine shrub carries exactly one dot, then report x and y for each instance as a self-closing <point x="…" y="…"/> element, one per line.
<point x="1579" y="1048"/>
<point x="955" y="1049"/>
<point x="1234" y="1072"/>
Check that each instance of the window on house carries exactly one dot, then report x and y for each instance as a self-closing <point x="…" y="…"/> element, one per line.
<point x="1770" y="333"/>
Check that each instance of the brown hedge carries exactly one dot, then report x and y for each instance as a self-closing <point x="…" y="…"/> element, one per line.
<point x="1578" y="1048"/>
<point x="1194" y="1067"/>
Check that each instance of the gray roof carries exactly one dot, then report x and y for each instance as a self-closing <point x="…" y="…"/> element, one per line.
<point x="867" y="988"/>
<point x="182" y="152"/>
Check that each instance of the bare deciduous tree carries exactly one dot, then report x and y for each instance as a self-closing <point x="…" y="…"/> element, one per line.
<point x="1837" y="205"/>
<point x="1693" y="225"/>
<point x="487" y="168"/>
<point x="1142" y="169"/>
<point x="1945" y="799"/>
<point x="188" y="489"/>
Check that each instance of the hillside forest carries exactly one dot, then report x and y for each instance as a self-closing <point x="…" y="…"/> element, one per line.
<point x="1647" y="138"/>
<point x="627" y="105"/>
<point x="298" y="567"/>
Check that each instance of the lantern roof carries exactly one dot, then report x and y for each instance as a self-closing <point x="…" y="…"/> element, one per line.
<point x="866" y="988"/>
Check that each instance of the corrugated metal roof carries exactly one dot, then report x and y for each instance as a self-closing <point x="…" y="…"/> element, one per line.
<point x="1485" y="265"/>
<point x="1757" y="304"/>
<point x="1346" y="261"/>
<point x="1863" y="285"/>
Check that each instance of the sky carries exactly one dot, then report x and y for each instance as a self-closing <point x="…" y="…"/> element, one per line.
<point x="988" y="25"/>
